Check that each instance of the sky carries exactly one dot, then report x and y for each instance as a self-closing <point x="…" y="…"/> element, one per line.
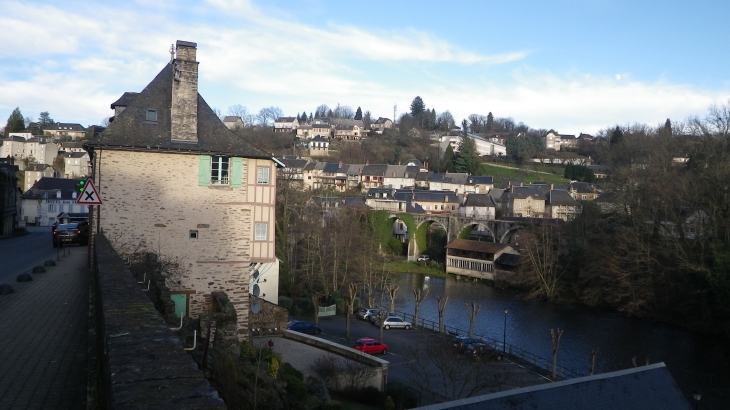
<point x="570" y="65"/>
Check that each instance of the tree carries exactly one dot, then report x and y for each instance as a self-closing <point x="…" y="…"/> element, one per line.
<point x="464" y="129"/>
<point x="267" y="116"/>
<point x="322" y="111"/>
<point x="448" y="159"/>
<point x="367" y="119"/>
<point x="358" y="114"/>
<point x="419" y="295"/>
<point x="240" y="111"/>
<point x="555" y="344"/>
<point x="490" y="122"/>
<point x="45" y="120"/>
<point x="467" y="160"/>
<point x="16" y="122"/>
<point x="441" y="306"/>
<point x="617" y="136"/>
<point x="417" y="106"/>
<point x="303" y="117"/>
<point x="445" y="121"/>
<point x="472" y="312"/>
<point x="542" y="269"/>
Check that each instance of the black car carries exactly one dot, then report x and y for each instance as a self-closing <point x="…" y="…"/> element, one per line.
<point x="75" y="232"/>
<point x="305" y="327"/>
<point x="480" y="350"/>
<point x="460" y="342"/>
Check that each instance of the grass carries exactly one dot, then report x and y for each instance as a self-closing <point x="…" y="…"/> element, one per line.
<point x="423" y="268"/>
<point x="527" y="173"/>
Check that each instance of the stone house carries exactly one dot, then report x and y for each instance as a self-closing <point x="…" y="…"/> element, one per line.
<point x="478" y="206"/>
<point x="583" y="191"/>
<point x="521" y="201"/>
<point x="286" y="124"/>
<point x="348" y="133"/>
<point x="560" y="204"/>
<point x="42" y="149"/>
<point x="8" y="198"/>
<point x="174" y="179"/>
<point x="76" y="164"/>
<point x="50" y="197"/>
<point x="233" y="122"/>
<point x="381" y="124"/>
<point x="64" y="129"/>
<point x="400" y="176"/>
<point x="319" y="147"/>
<point x="34" y="172"/>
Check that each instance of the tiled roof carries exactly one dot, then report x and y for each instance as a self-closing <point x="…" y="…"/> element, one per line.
<point x="37" y="167"/>
<point x="286" y="119"/>
<point x="480" y="200"/>
<point x="522" y="192"/>
<point x="60" y="126"/>
<point x="130" y="130"/>
<point x="477" y="246"/>
<point x="481" y="180"/>
<point x="375" y="170"/>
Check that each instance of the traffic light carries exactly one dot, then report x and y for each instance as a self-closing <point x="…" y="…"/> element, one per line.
<point x="80" y="186"/>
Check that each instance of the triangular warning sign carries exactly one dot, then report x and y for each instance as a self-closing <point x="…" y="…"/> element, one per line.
<point x="89" y="196"/>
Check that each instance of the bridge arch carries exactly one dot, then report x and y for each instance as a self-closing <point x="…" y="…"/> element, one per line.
<point x="466" y="231"/>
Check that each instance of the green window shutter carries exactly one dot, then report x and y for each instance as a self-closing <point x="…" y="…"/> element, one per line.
<point x="204" y="170"/>
<point x="236" y="172"/>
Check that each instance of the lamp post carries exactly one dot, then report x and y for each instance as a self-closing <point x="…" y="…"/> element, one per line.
<point x="504" y="338"/>
<point x="697" y="396"/>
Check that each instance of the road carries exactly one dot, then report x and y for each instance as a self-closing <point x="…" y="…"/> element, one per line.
<point x="21" y="253"/>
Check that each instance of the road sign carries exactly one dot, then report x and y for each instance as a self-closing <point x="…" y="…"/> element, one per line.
<point x="89" y="196"/>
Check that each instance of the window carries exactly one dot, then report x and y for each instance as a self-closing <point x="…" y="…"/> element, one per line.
<point x="262" y="175"/>
<point x="152" y="115"/>
<point x="193" y="234"/>
<point x="260" y="232"/>
<point x="219" y="170"/>
<point x="51" y="208"/>
<point x="583" y="197"/>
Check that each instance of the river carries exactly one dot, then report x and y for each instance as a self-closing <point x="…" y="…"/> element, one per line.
<point x="697" y="362"/>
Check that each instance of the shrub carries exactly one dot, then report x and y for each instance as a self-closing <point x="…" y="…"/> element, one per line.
<point x="305" y="304"/>
<point x="286" y="302"/>
<point x="402" y="395"/>
<point x="366" y="395"/>
<point x="339" y="306"/>
<point x="294" y="386"/>
<point x="355" y="305"/>
<point x="389" y="404"/>
<point x="288" y="369"/>
<point x="246" y="352"/>
<point x="318" y="387"/>
<point x="332" y="405"/>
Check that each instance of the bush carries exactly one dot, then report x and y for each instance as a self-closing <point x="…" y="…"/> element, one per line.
<point x="286" y="302"/>
<point x="402" y="395"/>
<point x="288" y="369"/>
<point x="294" y="386"/>
<point x="305" y="305"/>
<point x="339" y="306"/>
<point x="332" y="405"/>
<point x="246" y="352"/>
<point x="318" y="387"/>
<point x="366" y="395"/>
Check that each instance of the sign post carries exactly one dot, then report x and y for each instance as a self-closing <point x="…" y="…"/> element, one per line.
<point x="89" y="195"/>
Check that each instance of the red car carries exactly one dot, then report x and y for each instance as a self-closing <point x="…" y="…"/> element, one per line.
<point x="371" y="346"/>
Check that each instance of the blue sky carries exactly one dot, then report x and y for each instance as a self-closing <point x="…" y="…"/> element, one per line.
<point x="574" y="66"/>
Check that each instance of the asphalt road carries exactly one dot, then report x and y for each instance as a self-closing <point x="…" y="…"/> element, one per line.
<point x="21" y="253"/>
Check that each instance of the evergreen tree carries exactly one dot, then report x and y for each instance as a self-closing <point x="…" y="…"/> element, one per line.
<point x="358" y="114"/>
<point x="45" y="120"/>
<point x="616" y="136"/>
<point x="417" y="106"/>
<point x="449" y="159"/>
<point x="668" y="127"/>
<point x="16" y="122"/>
<point x="467" y="160"/>
<point x="463" y="127"/>
<point x="490" y="121"/>
<point x="310" y="117"/>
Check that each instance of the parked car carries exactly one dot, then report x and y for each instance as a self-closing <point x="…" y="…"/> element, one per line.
<point x="305" y="327"/>
<point x="371" y="346"/>
<point x="480" y="350"/>
<point x="461" y="342"/>
<point x="424" y="258"/>
<point x="394" y="322"/>
<point x="367" y="313"/>
<point x="75" y="232"/>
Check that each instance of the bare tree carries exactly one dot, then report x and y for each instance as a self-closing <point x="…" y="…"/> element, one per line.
<point x="542" y="271"/>
<point x="592" y="355"/>
<point x="472" y="312"/>
<point x="442" y="301"/>
<point x="392" y="290"/>
<point x="445" y="374"/>
<point x="351" y="294"/>
<point x="555" y="343"/>
<point x="419" y="295"/>
<point x="241" y="111"/>
<point x="268" y="115"/>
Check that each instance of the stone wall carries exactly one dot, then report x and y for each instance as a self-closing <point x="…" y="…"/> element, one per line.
<point x="271" y="319"/>
<point x="143" y="363"/>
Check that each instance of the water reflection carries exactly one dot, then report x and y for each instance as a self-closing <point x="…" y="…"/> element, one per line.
<point x="696" y="361"/>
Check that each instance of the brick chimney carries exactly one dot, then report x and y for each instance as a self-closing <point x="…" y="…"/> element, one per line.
<point x="184" y="110"/>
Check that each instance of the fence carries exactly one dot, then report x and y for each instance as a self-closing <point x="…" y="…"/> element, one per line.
<point x="515" y="351"/>
<point x="327" y="310"/>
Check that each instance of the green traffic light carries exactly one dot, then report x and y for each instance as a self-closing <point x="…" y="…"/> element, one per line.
<point x="81" y="186"/>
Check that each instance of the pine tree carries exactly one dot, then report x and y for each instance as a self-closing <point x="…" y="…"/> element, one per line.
<point x="417" y="106"/>
<point x="45" y="120"/>
<point x="449" y="159"/>
<point x="490" y="121"/>
<point x="358" y="114"/>
<point x="616" y="136"/>
<point x="467" y="160"/>
<point x="16" y="122"/>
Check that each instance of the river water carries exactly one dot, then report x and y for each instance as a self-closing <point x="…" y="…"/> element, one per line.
<point x="697" y="362"/>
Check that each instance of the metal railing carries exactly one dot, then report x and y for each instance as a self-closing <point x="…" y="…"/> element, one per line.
<point x="515" y="351"/>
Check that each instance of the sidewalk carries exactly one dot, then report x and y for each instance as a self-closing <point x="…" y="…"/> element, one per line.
<point x="44" y="342"/>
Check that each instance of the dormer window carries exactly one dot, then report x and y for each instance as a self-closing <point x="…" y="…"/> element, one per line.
<point x="151" y="115"/>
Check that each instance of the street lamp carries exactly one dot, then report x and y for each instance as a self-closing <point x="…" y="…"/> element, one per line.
<point x="504" y="339"/>
<point x="697" y="396"/>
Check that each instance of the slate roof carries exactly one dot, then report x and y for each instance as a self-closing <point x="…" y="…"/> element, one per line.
<point x="582" y="187"/>
<point x="522" y="192"/>
<point x="424" y="176"/>
<point x="331" y="168"/>
<point x="294" y="163"/>
<point x="325" y="126"/>
<point x="65" y="145"/>
<point x="130" y="130"/>
<point x="496" y="194"/>
<point x="37" y="167"/>
<point x="320" y="139"/>
<point x="508" y="182"/>
<point x="418" y="195"/>
<point x="477" y="246"/>
<point x="46" y="188"/>
<point x="508" y="259"/>
<point x="375" y="170"/>
<point x="124" y="101"/>
<point x="561" y="198"/>
<point x="642" y="388"/>
<point x="76" y="154"/>
<point x="61" y="126"/>
<point x="285" y="119"/>
<point x="479" y="200"/>
<point x="481" y="180"/>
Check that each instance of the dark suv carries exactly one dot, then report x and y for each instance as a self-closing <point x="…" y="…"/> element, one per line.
<point x="75" y="232"/>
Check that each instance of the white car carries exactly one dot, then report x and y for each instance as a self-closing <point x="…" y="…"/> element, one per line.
<point x="394" y="322"/>
<point x="424" y="258"/>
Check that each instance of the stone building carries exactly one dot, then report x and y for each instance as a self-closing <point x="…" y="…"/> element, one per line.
<point x="175" y="180"/>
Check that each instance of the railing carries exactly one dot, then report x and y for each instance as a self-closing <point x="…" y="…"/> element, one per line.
<point x="509" y="348"/>
<point x="327" y="310"/>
